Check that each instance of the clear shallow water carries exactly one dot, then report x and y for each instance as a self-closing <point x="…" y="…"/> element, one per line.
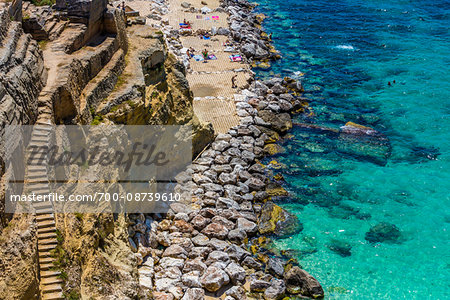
<point x="348" y="51"/>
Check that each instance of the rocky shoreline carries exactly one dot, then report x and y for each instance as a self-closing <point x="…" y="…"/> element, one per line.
<point x="218" y="245"/>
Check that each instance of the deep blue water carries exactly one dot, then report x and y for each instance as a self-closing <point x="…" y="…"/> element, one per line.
<point x="346" y="52"/>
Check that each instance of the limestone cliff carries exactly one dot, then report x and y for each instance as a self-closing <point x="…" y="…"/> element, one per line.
<point x="152" y="89"/>
<point x="22" y="76"/>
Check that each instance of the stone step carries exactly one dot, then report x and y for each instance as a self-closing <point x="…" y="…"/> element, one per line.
<point x="46" y="235"/>
<point x="47" y="209"/>
<point x="53" y="296"/>
<point x="37" y="168"/>
<point x="51" y="288"/>
<point x="45" y="254"/>
<point x="10" y="42"/>
<point x="45" y="224"/>
<point x="45" y="248"/>
<point x="46" y="260"/>
<point x="46" y="267"/>
<point x="44" y="217"/>
<point x="41" y="185"/>
<point x="47" y="274"/>
<point x="37" y="174"/>
<point x="38" y="143"/>
<point x="39" y="132"/>
<point x="45" y="124"/>
<point x="44" y="110"/>
<point x="48" y="241"/>
<point x="42" y="204"/>
<point x="51" y="280"/>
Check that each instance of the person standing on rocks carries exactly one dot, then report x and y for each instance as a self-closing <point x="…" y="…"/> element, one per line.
<point x="233" y="81"/>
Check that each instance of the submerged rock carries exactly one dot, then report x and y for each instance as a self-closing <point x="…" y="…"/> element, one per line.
<point x="273" y="149"/>
<point x="276" y="220"/>
<point x="383" y="232"/>
<point x="422" y="153"/>
<point x="340" y="247"/>
<point x="364" y="142"/>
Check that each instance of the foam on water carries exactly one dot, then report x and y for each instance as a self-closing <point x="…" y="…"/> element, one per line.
<point x="339" y="197"/>
<point x="345" y="47"/>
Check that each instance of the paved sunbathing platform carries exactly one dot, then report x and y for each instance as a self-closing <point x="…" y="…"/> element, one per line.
<point x="216" y="85"/>
<point x="220" y="113"/>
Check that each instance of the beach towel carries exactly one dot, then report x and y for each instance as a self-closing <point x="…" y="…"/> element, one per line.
<point x="185" y="26"/>
<point x="212" y="57"/>
<point x="206" y="38"/>
<point x="235" y="58"/>
<point x="198" y="16"/>
<point x="215" y="17"/>
<point x="207" y="18"/>
<point x="198" y="57"/>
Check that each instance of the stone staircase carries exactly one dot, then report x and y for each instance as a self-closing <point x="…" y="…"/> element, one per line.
<point x="37" y="182"/>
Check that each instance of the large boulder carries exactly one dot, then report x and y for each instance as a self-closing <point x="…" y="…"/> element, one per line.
<point x="276" y="290"/>
<point x="280" y="122"/>
<point x="249" y="50"/>
<point x="299" y="281"/>
<point x="383" y="232"/>
<point x="276" y="220"/>
<point x="214" y="278"/>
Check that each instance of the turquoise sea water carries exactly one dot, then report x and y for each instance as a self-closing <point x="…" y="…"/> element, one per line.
<point x="348" y="52"/>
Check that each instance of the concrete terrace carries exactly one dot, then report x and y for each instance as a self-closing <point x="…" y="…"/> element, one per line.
<point x="210" y="82"/>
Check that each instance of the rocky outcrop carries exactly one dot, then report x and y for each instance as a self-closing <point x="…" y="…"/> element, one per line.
<point x="152" y="89"/>
<point x="275" y="220"/>
<point x="88" y="12"/>
<point x="299" y="281"/>
<point x="18" y="259"/>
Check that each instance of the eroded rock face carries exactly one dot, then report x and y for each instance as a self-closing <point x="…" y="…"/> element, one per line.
<point x="18" y="265"/>
<point x="22" y="76"/>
